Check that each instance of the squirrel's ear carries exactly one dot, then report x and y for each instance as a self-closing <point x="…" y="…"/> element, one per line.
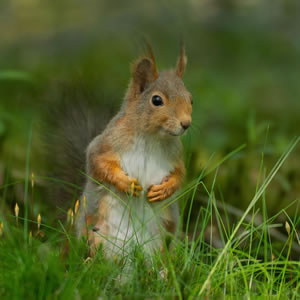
<point x="181" y="61"/>
<point x="144" y="71"/>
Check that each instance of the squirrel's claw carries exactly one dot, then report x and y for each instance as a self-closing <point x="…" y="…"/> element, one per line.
<point x="154" y="199"/>
<point x="152" y="193"/>
<point x="156" y="193"/>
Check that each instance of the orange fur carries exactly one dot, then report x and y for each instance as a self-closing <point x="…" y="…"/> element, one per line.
<point x="168" y="186"/>
<point x="107" y="169"/>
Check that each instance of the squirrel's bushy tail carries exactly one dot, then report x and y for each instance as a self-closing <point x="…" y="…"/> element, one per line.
<point x="72" y="121"/>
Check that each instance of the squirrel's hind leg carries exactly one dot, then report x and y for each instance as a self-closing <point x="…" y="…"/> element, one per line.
<point x="96" y="226"/>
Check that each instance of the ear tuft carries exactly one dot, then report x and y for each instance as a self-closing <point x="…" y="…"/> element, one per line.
<point x="143" y="72"/>
<point x="181" y="62"/>
<point x="150" y="54"/>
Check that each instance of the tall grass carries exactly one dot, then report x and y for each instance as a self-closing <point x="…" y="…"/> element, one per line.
<point x="256" y="259"/>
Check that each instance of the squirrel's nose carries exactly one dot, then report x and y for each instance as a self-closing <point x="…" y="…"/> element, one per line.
<point x="185" y="124"/>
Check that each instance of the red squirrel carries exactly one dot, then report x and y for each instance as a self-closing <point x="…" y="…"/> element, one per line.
<point x="135" y="166"/>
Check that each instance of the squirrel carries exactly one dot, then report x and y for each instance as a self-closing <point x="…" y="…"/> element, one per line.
<point x="135" y="166"/>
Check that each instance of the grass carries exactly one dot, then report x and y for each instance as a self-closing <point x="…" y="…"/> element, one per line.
<point x="41" y="261"/>
<point x="240" y="220"/>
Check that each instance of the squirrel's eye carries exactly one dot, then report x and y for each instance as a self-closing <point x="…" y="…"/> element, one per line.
<point x="157" y="100"/>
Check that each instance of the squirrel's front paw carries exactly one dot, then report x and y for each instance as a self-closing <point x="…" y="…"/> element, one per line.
<point x="135" y="187"/>
<point x="162" y="191"/>
<point x="129" y="185"/>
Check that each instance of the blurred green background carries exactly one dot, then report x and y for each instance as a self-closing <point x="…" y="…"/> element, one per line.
<point x="243" y="73"/>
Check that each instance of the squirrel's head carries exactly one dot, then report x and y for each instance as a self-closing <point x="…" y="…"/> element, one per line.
<point x="159" y="100"/>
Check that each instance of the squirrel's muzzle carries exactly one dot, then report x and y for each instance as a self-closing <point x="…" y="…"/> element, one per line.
<point x="185" y="124"/>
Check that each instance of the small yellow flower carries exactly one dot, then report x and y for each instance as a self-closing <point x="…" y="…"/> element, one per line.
<point x="72" y="217"/>
<point x="84" y="202"/>
<point x="287" y="228"/>
<point x="76" y="207"/>
<point x="17" y="212"/>
<point x="39" y="219"/>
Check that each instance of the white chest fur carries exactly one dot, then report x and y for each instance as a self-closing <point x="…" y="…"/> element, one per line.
<point x="147" y="161"/>
<point x="137" y="222"/>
